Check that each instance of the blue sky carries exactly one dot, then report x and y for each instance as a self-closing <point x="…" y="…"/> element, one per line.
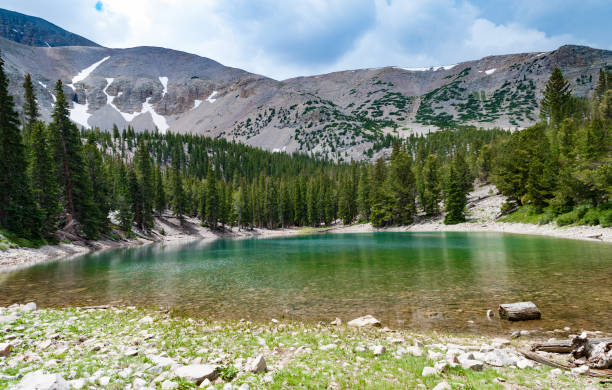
<point x="287" y="38"/>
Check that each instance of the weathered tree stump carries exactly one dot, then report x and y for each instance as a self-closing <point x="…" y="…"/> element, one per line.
<point x="519" y="311"/>
<point x="597" y="352"/>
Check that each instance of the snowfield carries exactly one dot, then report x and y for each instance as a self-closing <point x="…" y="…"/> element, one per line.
<point x="210" y="98"/>
<point x="164" y="82"/>
<point x="82" y="75"/>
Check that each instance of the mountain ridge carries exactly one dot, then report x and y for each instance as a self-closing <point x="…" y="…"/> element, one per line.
<point x="343" y="115"/>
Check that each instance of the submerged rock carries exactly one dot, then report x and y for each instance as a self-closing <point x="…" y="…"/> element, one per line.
<point x="367" y="320"/>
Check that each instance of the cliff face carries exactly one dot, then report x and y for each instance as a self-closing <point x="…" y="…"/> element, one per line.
<point x="341" y="114"/>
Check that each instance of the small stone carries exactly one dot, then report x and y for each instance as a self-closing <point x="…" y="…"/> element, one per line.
<point x="336" y="322"/>
<point x="365" y="321"/>
<point x="30" y="306"/>
<point x="443" y="386"/>
<point x="580" y="370"/>
<point x="258" y="364"/>
<point x="440" y="366"/>
<point x="139" y="383"/>
<point x="428" y="371"/>
<point x="169" y="385"/>
<point x="524" y="363"/>
<point x="40" y="381"/>
<point x="433" y="355"/>
<point x="516" y="334"/>
<point x="205" y="383"/>
<point x="104" y="381"/>
<point x="567" y="329"/>
<point x="274" y="321"/>
<point x="556" y="372"/>
<point x="469" y="364"/>
<point x="490" y="313"/>
<point x="499" y="342"/>
<point x="146" y="320"/>
<point x="130" y="352"/>
<point x="5" y="349"/>
<point x="327" y="347"/>
<point x="77" y="383"/>
<point x="379" y="350"/>
<point x="414" y="351"/>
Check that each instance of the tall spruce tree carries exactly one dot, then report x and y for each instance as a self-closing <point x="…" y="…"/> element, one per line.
<point x="30" y="107"/>
<point x="403" y="187"/>
<point x="557" y="95"/>
<point x="160" y="193"/>
<point x="455" y="198"/>
<point x="43" y="179"/>
<point x="432" y="187"/>
<point x="381" y="199"/>
<point x="144" y="170"/>
<point x="68" y="156"/>
<point x="178" y="192"/>
<point x="18" y="212"/>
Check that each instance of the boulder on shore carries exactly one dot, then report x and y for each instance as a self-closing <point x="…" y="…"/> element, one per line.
<point x="197" y="372"/>
<point x="40" y="381"/>
<point x="367" y="320"/>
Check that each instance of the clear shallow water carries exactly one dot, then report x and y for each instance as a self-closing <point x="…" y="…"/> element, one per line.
<point x="424" y="281"/>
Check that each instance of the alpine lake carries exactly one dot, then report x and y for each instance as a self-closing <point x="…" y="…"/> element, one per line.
<point x="423" y="281"/>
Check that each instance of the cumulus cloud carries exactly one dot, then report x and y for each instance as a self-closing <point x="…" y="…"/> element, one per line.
<point x="297" y="37"/>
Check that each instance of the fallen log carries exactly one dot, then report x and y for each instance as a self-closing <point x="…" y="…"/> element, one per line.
<point x="519" y="311"/>
<point x="542" y="360"/>
<point x="554" y="346"/>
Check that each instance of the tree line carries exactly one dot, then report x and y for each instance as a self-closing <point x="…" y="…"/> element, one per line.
<point x="55" y="175"/>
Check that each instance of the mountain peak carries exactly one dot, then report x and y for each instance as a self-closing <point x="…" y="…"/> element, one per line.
<point x="32" y="31"/>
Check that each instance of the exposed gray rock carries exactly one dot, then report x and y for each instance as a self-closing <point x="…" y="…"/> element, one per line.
<point x="365" y="321"/>
<point x="258" y="364"/>
<point x="197" y="372"/>
<point x="5" y="349"/>
<point x="429" y="371"/>
<point x="379" y="350"/>
<point x="443" y="386"/>
<point x="38" y="380"/>
<point x="469" y="364"/>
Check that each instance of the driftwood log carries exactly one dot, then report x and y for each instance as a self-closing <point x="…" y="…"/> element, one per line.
<point x="519" y="311"/>
<point x="554" y="346"/>
<point x="597" y="352"/>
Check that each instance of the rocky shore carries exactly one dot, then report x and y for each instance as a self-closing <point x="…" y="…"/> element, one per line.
<point x="130" y="348"/>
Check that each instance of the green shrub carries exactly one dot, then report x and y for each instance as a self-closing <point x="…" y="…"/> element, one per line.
<point x="605" y="218"/>
<point x="591" y="217"/>
<point x="568" y="218"/>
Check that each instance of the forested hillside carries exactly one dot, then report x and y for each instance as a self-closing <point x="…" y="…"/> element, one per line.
<point x="97" y="182"/>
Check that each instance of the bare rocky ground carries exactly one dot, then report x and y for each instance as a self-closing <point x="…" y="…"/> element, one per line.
<point x="168" y="229"/>
<point x="484" y="205"/>
<point x="129" y="348"/>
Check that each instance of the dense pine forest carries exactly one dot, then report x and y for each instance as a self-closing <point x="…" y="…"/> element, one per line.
<point x="96" y="182"/>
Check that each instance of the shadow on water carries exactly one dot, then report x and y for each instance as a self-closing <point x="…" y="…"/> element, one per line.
<point x="437" y="281"/>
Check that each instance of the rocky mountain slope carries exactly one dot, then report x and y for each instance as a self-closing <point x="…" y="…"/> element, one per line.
<point x="342" y="115"/>
<point x="33" y="31"/>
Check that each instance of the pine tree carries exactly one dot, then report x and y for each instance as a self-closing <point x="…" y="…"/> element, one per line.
<point x="212" y="202"/>
<point x="17" y="209"/>
<point x="381" y="199"/>
<point x="142" y="161"/>
<point x="30" y="107"/>
<point x="178" y="192"/>
<point x="160" y="193"/>
<point x="403" y="187"/>
<point x="557" y="94"/>
<point x="432" y="187"/>
<point x="124" y="201"/>
<point x="455" y="198"/>
<point x="363" y="192"/>
<point x="43" y="179"/>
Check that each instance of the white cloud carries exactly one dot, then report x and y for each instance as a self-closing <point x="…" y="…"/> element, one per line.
<point x="301" y="37"/>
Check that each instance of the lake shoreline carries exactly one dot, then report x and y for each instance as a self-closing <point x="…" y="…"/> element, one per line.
<point x="97" y="346"/>
<point x="17" y="258"/>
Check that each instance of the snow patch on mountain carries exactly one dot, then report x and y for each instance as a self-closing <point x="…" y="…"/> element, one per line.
<point x="82" y="75"/>
<point x="47" y="89"/>
<point x="164" y="82"/>
<point x="490" y="71"/>
<point x="210" y="98"/>
<point x="196" y="104"/>
<point x="158" y="120"/>
<point x="79" y="114"/>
